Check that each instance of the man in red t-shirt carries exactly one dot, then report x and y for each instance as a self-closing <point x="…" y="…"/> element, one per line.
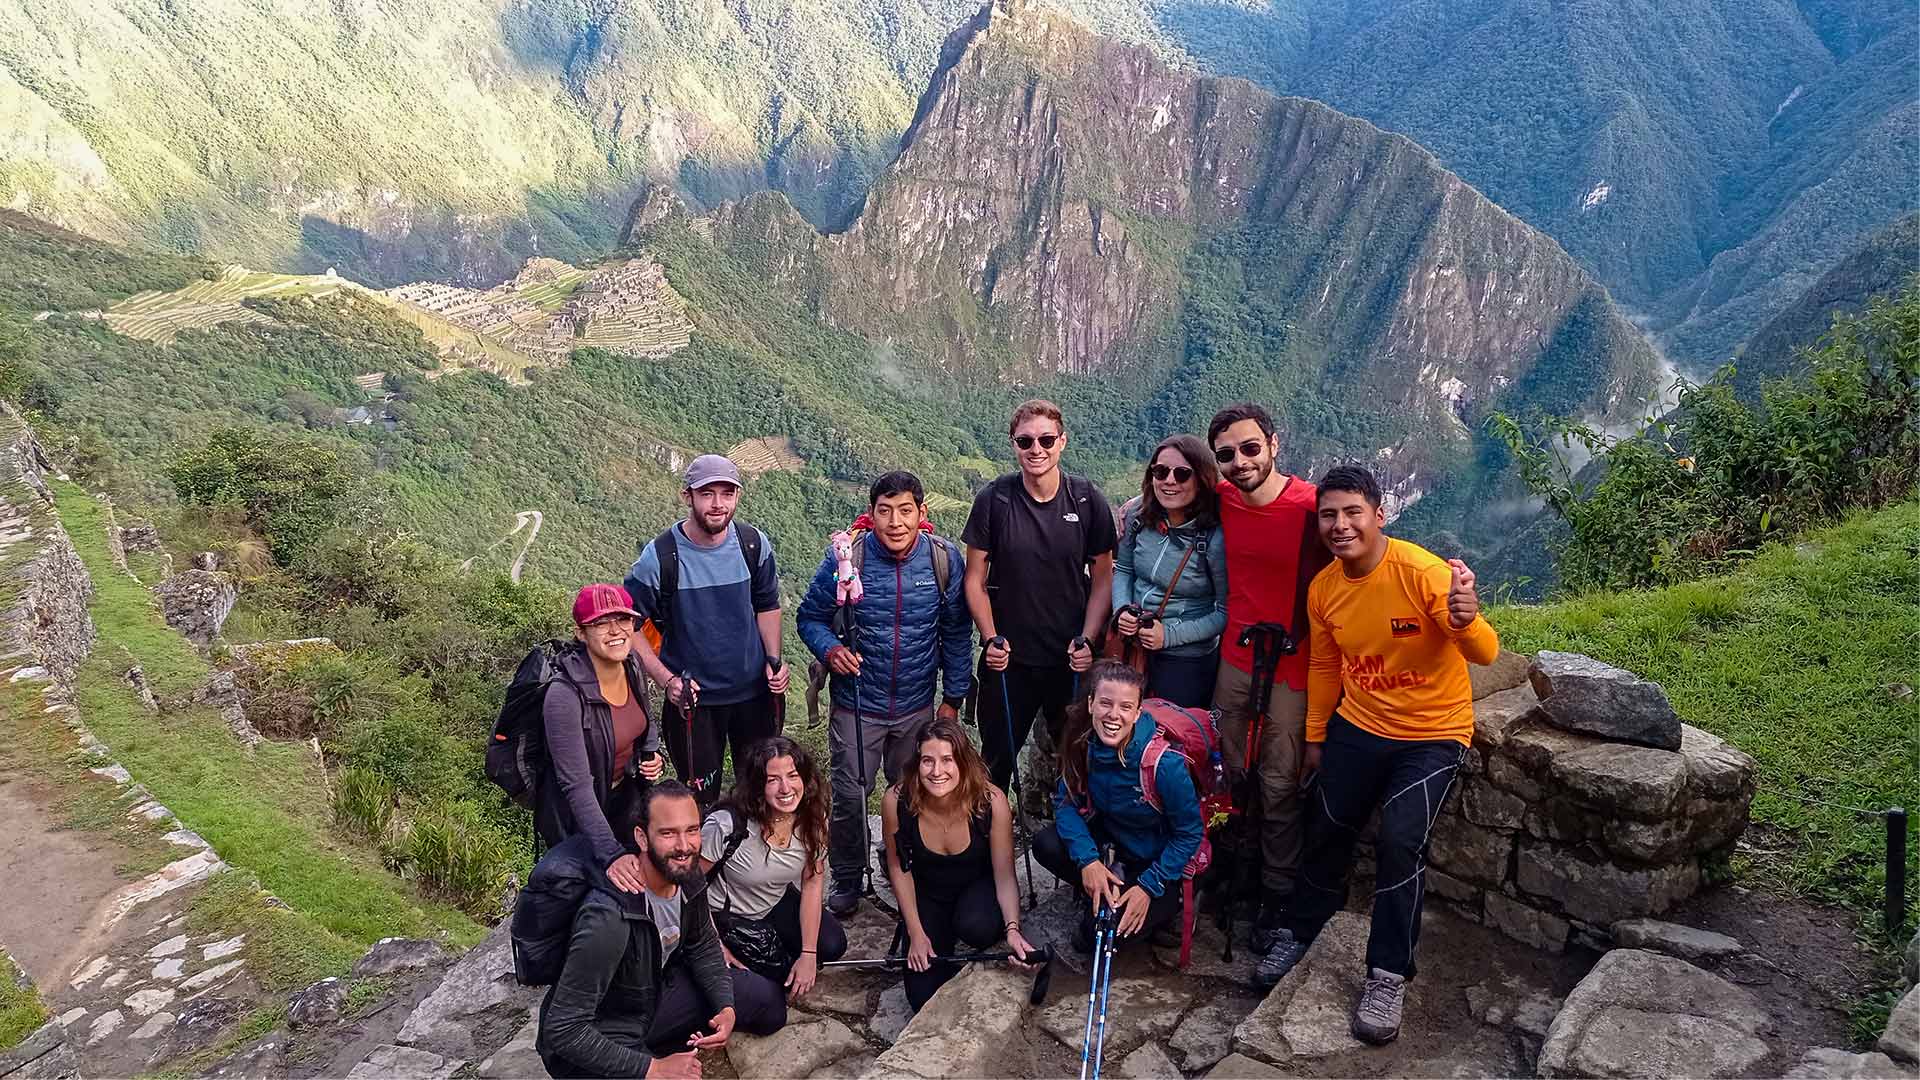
<point x="1273" y="551"/>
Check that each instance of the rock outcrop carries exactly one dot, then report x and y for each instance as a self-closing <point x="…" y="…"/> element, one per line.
<point x="1641" y="1014"/>
<point x="197" y="602"/>
<point x="1554" y="835"/>
<point x="1056" y="188"/>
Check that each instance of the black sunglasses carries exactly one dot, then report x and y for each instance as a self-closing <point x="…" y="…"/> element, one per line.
<point x="1025" y="442"/>
<point x="1181" y="474"/>
<point x="1251" y="449"/>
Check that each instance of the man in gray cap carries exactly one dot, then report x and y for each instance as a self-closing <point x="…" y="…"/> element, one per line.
<point x="709" y="585"/>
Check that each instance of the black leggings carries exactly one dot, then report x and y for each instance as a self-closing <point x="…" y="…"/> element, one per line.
<point x="972" y="916"/>
<point x="715" y="728"/>
<point x="1162" y="910"/>
<point x="1046" y="691"/>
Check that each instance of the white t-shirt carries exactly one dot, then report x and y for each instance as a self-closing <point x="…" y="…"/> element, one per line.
<point x="757" y="876"/>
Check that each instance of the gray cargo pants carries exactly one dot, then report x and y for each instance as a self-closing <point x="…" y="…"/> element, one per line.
<point x="887" y="752"/>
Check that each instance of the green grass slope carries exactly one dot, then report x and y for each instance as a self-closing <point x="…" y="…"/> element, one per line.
<point x="1809" y="660"/>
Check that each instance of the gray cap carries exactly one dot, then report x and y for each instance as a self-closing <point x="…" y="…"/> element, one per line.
<point x="712" y="469"/>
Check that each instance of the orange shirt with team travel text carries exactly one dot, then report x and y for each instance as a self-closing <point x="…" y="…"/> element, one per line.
<point x="1385" y="654"/>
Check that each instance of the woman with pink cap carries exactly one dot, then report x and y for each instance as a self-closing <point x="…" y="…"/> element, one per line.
<point x="603" y="745"/>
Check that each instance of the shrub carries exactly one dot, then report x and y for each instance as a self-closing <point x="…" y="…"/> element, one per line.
<point x="363" y="803"/>
<point x="1697" y="491"/>
<point x="451" y="850"/>
<point x="291" y="490"/>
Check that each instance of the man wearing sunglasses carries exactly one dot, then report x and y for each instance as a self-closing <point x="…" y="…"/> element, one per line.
<point x="1039" y="582"/>
<point x="1273" y="552"/>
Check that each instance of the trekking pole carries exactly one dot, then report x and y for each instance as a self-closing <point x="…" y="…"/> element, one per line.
<point x="1266" y="663"/>
<point x="1013" y="760"/>
<point x="851" y="639"/>
<point x="779" y="700"/>
<point x="1098" y="982"/>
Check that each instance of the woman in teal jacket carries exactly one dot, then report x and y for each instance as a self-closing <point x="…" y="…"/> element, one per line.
<point x="1170" y="544"/>
<point x="1099" y="802"/>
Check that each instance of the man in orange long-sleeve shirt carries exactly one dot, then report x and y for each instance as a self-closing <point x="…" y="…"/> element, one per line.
<point x="1393" y="629"/>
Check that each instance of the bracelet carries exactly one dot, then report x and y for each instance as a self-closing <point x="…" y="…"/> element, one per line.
<point x="809" y="952"/>
<point x="1012" y="926"/>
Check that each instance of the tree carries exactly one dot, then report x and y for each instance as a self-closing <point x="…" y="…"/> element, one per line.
<point x="291" y="490"/>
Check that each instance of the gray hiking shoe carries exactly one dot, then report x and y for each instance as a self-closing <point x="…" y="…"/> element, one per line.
<point x="1279" y="959"/>
<point x="1376" y="1019"/>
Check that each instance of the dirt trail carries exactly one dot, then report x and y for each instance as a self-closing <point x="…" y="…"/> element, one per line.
<point x="52" y="882"/>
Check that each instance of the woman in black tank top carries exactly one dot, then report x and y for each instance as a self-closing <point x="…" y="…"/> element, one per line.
<point x="949" y="836"/>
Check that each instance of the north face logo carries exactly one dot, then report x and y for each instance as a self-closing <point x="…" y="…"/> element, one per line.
<point x="1404" y="627"/>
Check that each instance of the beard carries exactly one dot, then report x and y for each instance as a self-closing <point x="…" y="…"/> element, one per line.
<point x="686" y="877"/>
<point x="1252" y="481"/>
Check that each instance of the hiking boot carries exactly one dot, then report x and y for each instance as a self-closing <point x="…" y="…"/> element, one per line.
<point x="1279" y="959"/>
<point x="1376" y="1019"/>
<point x="843" y="902"/>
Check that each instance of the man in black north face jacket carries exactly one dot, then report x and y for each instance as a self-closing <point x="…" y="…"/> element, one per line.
<point x="645" y="985"/>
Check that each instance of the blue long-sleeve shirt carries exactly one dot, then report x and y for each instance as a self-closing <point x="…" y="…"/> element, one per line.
<point x="1167" y="837"/>
<point x="912" y="640"/>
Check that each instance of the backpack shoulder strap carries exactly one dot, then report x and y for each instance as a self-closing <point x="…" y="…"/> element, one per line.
<point x="1080" y="490"/>
<point x="906" y="836"/>
<point x="1157" y="748"/>
<point x="942" y="567"/>
<point x="735" y="837"/>
<point x="859" y="550"/>
<point x="666" y="548"/>
<point x="750" y="541"/>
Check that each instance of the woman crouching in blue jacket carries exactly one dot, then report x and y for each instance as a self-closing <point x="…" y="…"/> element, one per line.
<point x="1099" y="802"/>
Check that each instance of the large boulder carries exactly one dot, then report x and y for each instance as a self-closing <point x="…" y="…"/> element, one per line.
<point x="197" y="602"/>
<point x="480" y="980"/>
<point x="1641" y="1014"/>
<point x="1901" y="1040"/>
<point x="1825" y="1063"/>
<point x="802" y="1047"/>
<point x="1508" y="670"/>
<point x="1137" y="1009"/>
<point x="975" y="1025"/>
<point x="1685" y="942"/>
<point x="1579" y="693"/>
<point x="389" y="955"/>
<point x="1307" y="1014"/>
<point x="318" y="1004"/>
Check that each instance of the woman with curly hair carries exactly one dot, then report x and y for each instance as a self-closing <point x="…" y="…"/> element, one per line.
<point x="949" y="835"/>
<point x="765" y="853"/>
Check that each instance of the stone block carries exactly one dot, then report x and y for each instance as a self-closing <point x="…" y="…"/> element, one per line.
<point x="1579" y="693"/>
<point x="1469" y="852"/>
<point x="1824" y="1063"/>
<point x="1901" y="1039"/>
<point x="1496" y="715"/>
<point x="320" y="1003"/>
<point x="1564" y="820"/>
<point x="1624" y="1020"/>
<point x="892" y="1014"/>
<point x="518" y="1057"/>
<point x="1446" y="886"/>
<point x="1598" y="892"/>
<point x="1148" y="1062"/>
<point x="1509" y="774"/>
<point x="46" y="1054"/>
<point x="1508" y="670"/>
<point x="389" y="955"/>
<point x="1673" y="939"/>
<point x="1205" y="1035"/>
<point x="478" y="981"/>
<point x="1529" y="926"/>
<point x="390" y="1062"/>
<point x="1242" y="1067"/>
<point x="1715" y="768"/>
<point x="197" y="602"/>
<point x="1499" y="1003"/>
<point x="1307" y="1014"/>
<point x="1634" y="781"/>
<point x="1137" y="1009"/>
<point x="799" y="1048"/>
<point x="1489" y="807"/>
<point x="973" y="1026"/>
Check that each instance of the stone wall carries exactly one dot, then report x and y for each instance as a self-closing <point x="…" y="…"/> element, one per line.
<point x="1553" y="835"/>
<point x="46" y="624"/>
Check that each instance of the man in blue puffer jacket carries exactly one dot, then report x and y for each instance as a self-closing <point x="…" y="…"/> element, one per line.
<point x="909" y="635"/>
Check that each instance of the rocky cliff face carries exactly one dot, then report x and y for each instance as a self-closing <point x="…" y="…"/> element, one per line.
<point x="46" y="630"/>
<point x="1054" y="200"/>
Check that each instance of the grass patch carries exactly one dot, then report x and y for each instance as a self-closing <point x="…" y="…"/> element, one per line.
<point x="285" y="949"/>
<point x="262" y="1019"/>
<point x="266" y="812"/>
<point x="21" y="1012"/>
<point x="1805" y="659"/>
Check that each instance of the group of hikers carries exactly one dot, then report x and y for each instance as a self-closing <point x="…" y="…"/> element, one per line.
<point x="1264" y="631"/>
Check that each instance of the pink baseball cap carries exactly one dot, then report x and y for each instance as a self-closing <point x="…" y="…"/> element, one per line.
<point x="599" y="600"/>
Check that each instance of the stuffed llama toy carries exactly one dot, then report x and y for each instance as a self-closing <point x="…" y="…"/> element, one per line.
<point x="846" y="578"/>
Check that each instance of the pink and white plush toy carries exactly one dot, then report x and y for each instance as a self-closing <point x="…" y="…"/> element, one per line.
<point x="846" y="578"/>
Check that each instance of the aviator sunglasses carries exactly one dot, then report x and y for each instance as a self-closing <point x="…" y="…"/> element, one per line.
<point x="1181" y="474"/>
<point x="1249" y="449"/>
<point x="1025" y="442"/>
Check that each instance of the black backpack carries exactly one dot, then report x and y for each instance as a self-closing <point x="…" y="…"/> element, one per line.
<point x="517" y="749"/>
<point x="543" y="918"/>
